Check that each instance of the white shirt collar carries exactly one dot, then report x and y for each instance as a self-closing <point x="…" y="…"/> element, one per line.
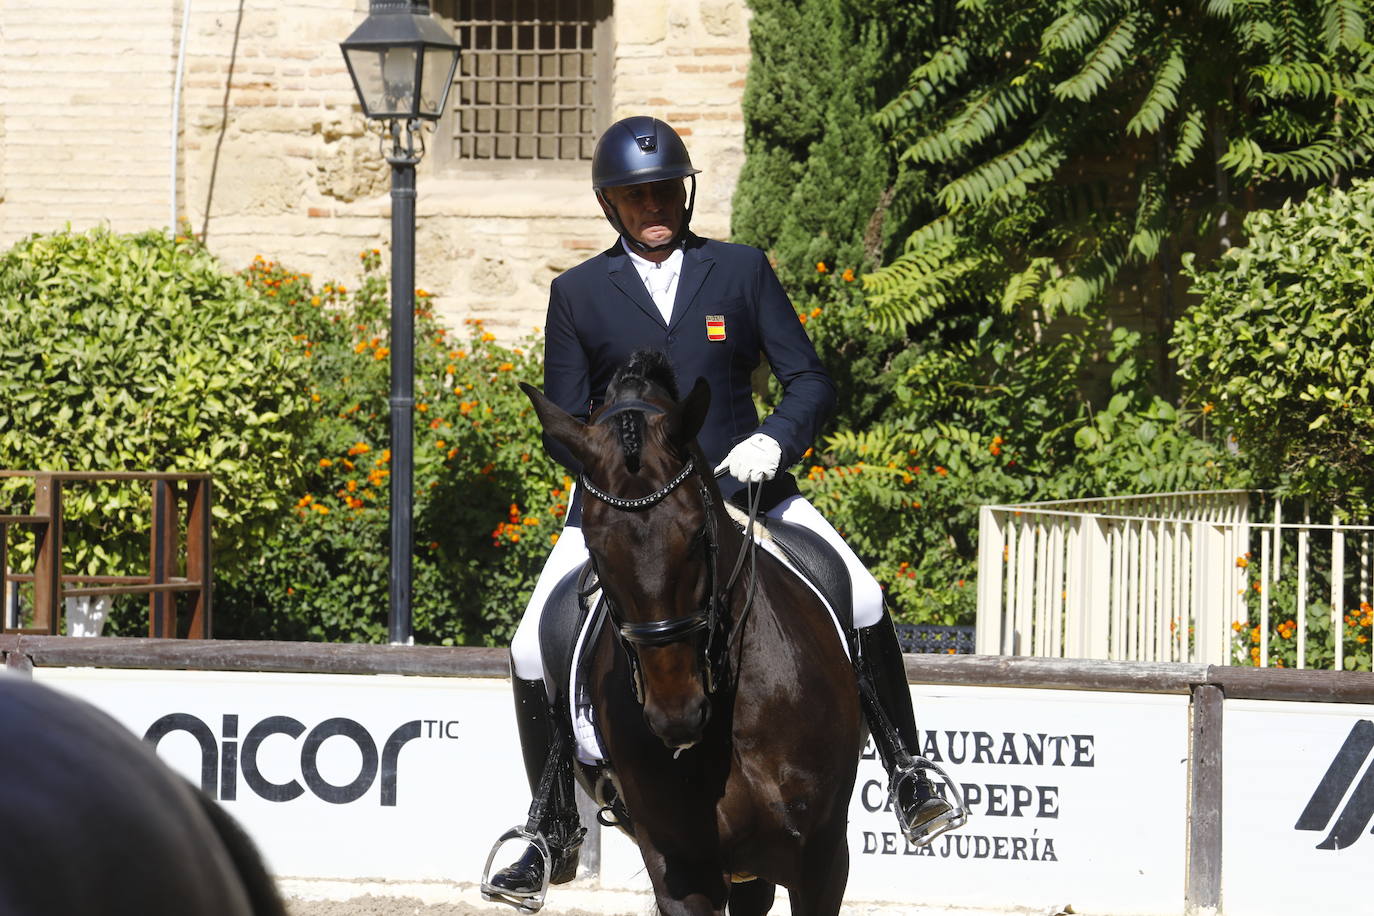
<point x="643" y="265"/>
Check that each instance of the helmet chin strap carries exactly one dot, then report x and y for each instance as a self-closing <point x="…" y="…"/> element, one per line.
<point x="613" y="215"/>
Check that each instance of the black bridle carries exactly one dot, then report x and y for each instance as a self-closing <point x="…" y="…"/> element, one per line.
<point x="709" y="617"/>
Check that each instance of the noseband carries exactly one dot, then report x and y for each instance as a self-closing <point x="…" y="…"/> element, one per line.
<point x="674" y="629"/>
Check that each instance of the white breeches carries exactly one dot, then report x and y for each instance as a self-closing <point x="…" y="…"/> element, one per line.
<point x="571" y="552"/>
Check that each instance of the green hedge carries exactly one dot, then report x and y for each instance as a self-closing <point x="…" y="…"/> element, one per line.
<point x="136" y="353"/>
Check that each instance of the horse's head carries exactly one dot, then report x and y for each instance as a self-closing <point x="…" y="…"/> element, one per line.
<point x="649" y="525"/>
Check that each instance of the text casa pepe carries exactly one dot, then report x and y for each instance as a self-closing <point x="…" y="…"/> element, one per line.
<point x="223" y="758"/>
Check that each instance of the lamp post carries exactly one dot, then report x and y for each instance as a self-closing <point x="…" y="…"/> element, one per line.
<point x="402" y="63"/>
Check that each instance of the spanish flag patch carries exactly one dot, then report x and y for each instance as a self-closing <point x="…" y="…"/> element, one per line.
<point x="715" y="327"/>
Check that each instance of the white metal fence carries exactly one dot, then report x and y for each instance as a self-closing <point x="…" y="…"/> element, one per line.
<point x="1215" y="577"/>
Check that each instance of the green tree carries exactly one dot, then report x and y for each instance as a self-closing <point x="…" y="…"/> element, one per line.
<point x="1057" y="159"/>
<point x="1278" y="344"/>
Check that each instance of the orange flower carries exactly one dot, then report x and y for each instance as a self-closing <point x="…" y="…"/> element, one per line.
<point x="848" y="275"/>
<point x="325" y="462"/>
<point x="821" y="268"/>
<point x="505" y="367"/>
<point x="1242" y="562"/>
<point x="359" y="448"/>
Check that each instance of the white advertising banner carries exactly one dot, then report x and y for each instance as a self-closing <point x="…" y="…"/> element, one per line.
<point x="1074" y="798"/>
<point x="1297" y="801"/>
<point x="334" y="776"/>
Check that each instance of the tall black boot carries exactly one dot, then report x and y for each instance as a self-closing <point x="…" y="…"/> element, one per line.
<point x="558" y="823"/>
<point x="922" y="812"/>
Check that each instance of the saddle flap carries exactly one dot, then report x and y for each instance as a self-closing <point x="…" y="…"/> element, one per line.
<point x="813" y="556"/>
<point x="558" y="628"/>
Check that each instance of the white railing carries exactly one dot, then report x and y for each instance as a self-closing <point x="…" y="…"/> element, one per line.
<point x="1213" y="577"/>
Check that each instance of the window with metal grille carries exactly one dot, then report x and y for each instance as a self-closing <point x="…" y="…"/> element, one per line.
<point x="533" y="78"/>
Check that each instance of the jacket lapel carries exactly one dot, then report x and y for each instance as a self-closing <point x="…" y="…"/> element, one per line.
<point x="623" y="274"/>
<point x="696" y="266"/>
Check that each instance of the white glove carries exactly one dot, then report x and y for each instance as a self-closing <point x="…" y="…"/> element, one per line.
<point x="754" y="459"/>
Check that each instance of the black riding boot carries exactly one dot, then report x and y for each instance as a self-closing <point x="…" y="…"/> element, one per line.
<point x="922" y="813"/>
<point x="560" y="826"/>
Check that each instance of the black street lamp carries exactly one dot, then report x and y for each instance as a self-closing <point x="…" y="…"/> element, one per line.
<point x="402" y="64"/>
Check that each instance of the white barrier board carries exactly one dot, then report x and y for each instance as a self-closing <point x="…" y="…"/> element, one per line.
<point x="335" y="776"/>
<point x="1076" y="798"/>
<point x="1297" y="801"/>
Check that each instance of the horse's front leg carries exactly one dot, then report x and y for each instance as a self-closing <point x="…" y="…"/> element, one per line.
<point x="685" y="886"/>
<point x="824" y="873"/>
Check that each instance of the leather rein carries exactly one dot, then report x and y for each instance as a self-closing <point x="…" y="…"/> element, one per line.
<point x="709" y="617"/>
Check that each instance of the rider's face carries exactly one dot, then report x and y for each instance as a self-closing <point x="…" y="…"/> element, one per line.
<point x="651" y="212"/>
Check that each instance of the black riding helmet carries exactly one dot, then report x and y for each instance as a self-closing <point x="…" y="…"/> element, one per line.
<point x="635" y="151"/>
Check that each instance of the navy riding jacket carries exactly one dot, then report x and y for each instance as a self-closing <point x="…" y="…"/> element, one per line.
<point x="730" y="309"/>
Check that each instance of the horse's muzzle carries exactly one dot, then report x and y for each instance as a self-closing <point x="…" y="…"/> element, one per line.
<point x="681" y="726"/>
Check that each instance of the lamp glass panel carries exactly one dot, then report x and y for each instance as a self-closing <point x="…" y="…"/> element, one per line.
<point x="436" y="80"/>
<point x="366" y="64"/>
<point x="398" y="73"/>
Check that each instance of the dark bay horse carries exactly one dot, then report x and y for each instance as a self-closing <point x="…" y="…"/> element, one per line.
<point x="728" y="709"/>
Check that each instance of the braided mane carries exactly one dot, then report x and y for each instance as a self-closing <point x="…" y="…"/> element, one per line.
<point x="647" y="372"/>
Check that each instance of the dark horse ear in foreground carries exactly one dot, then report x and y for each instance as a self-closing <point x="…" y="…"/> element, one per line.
<point x="727" y="707"/>
<point x="95" y="823"/>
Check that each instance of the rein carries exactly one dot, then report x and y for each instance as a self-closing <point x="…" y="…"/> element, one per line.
<point x="709" y="617"/>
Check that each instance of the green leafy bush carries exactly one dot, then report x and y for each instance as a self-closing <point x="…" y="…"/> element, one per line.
<point x="487" y="500"/>
<point x="1277" y="349"/>
<point x="136" y="353"/>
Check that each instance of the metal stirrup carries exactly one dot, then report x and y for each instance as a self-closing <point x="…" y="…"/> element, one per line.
<point x="924" y="834"/>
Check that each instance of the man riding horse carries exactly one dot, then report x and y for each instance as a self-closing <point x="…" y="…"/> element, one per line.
<point x="713" y="308"/>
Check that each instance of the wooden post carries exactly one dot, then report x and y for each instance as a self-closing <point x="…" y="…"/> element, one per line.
<point x="198" y="561"/>
<point x="1203" y="891"/>
<point x="47" y="566"/>
<point x="5" y="605"/>
<point x="162" y="606"/>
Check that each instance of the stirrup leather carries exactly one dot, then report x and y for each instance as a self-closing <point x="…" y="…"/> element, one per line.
<point x="912" y="768"/>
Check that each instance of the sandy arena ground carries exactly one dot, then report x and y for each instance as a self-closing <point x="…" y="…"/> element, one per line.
<point x="321" y="898"/>
<point x="580" y="898"/>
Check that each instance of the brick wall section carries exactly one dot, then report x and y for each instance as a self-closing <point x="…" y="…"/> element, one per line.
<point x="85" y="111"/>
<point x="277" y="160"/>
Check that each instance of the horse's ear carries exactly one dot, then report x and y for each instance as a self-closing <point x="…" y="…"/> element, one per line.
<point x="694" y="408"/>
<point x="559" y="425"/>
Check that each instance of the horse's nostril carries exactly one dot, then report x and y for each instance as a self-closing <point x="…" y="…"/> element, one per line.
<point x="681" y="728"/>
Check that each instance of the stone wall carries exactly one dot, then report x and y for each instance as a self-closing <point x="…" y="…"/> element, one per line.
<point x="274" y="158"/>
